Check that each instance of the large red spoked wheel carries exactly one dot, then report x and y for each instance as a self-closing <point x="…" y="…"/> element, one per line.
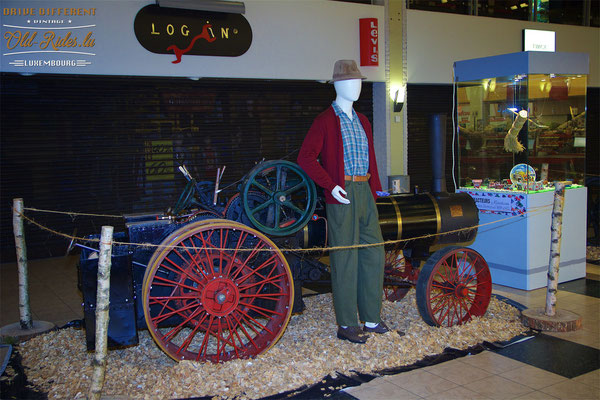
<point x="213" y="293"/>
<point x="453" y="286"/>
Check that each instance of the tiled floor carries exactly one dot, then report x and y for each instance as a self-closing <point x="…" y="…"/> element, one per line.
<point x="53" y="292"/>
<point x="490" y="375"/>
<point x="54" y="297"/>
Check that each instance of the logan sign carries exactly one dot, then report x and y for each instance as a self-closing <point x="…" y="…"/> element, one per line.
<point x="188" y="32"/>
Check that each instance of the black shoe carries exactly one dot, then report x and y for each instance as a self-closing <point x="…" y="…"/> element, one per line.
<point x="380" y="328"/>
<point x="352" y="333"/>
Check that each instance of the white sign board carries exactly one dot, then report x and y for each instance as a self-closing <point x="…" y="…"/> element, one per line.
<point x="536" y="40"/>
<point x="489" y="203"/>
<point x="498" y="201"/>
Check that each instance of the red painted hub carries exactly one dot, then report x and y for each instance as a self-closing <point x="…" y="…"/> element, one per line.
<point x="461" y="291"/>
<point x="220" y="296"/>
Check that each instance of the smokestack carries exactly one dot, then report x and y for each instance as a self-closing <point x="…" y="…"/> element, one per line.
<point x="437" y="149"/>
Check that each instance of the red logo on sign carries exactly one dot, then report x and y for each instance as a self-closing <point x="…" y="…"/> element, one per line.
<point x="179" y="52"/>
<point x="369" y="42"/>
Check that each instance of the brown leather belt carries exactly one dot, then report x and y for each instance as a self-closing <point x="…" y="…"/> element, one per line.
<point x="357" y="178"/>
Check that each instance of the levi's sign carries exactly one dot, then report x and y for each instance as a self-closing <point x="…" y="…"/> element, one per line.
<point x="369" y="42"/>
<point x="189" y="32"/>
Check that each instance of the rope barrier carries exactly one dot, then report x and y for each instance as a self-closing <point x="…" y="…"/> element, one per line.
<point x="71" y="213"/>
<point x="534" y="211"/>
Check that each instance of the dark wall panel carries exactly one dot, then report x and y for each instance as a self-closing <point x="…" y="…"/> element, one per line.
<point x="111" y="145"/>
<point x="423" y="101"/>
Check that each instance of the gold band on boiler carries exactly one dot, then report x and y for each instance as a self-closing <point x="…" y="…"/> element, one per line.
<point x="398" y="218"/>
<point x="438" y="217"/>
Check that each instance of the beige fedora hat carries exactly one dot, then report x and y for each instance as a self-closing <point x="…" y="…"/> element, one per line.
<point x="344" y="70"/>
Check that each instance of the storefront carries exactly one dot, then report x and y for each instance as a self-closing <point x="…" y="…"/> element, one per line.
<point x="98" y="113"/>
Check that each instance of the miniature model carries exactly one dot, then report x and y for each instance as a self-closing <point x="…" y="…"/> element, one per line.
<point x="343" y="140"/>
<point x="223" y="289"/>
<point x="210" y="292"/>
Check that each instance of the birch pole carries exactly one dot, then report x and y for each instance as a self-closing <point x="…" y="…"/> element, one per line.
<point x="555" y="236"/>
<point x="102" y="307"/>
<point x="19" y="232"/>
<point x="549" y="318"/>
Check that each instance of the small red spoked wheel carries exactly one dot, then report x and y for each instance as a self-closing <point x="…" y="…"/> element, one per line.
<point x="398" y="277"/>
<point x="454" y="285"/>
<point x="217" y="290"/>
<point x="395" y="293"/>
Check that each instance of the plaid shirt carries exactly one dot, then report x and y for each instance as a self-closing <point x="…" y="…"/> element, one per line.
<point x="356" y="147"/>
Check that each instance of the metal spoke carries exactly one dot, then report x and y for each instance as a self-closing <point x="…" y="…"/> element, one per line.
<point x="294" y="189"/>
<point x="268" y="192"/>
<point x="292" y="206"/>
<point x="261" y="207"/>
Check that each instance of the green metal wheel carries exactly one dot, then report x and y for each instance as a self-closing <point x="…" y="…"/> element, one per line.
<point x="290" y="197"/>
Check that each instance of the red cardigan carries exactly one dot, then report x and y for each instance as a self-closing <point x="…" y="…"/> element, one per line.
<point x="324" y="138"/>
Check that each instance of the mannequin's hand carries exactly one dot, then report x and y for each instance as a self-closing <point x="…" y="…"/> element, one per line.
<point x="338" y="193"/>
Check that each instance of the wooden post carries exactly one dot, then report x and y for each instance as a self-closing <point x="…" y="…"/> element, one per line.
<point x="550" y="318"/>
<point x="24" y="309"/>
<point x="102" y="307"/>
<point x="555" y="236"/>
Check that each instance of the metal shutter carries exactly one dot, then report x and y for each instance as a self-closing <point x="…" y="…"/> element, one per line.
<point x="111" y="144"/>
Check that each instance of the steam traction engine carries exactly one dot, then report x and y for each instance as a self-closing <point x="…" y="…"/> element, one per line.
<point x="224" y="280"/>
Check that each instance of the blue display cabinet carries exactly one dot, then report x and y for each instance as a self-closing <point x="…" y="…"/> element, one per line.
<point x="516" y="216"/>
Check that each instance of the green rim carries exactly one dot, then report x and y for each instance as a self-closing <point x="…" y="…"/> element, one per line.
<point x="290" y="197"/>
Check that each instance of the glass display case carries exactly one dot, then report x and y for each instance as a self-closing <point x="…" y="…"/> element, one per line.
<point x="490" y="94"/>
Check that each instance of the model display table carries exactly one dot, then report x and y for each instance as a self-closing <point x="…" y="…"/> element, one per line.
<point x="491" y="91"/>
<point x="515" y="236"/>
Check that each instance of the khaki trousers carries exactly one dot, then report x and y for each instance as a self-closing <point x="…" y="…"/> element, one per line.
<point x="356" y="274"/>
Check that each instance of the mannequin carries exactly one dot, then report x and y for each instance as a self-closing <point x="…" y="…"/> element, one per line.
<point x="338" y="154"/>
<point x="348" y="91"/>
